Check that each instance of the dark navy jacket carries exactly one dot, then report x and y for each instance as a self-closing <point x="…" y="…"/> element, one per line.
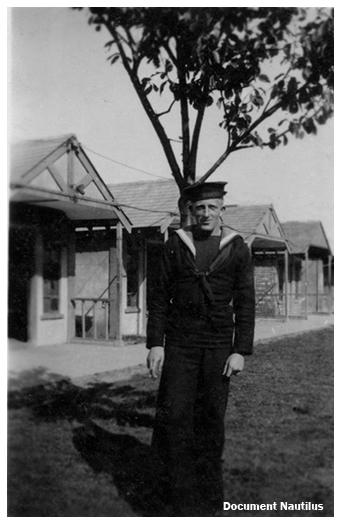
<point x="212" y="309"/>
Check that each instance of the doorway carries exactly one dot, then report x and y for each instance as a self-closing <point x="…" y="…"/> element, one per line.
<point x="20" y="272"/>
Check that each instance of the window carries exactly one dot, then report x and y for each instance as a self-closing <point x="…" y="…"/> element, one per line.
<point x="51" y="277"/>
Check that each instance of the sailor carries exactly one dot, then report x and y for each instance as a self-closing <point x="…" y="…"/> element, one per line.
<point x="200" y="327"/>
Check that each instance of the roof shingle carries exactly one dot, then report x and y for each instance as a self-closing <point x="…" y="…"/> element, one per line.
<point x="244" y="219"/>
<point x="149" y="203"/>
<point x="302" y="235"/>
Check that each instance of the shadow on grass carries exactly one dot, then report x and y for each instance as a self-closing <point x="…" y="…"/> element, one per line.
<point x="30" y="378"/>
<point x="130" y="463"/>
<point x="52" y="401"/>
<point x="279" y="439"/>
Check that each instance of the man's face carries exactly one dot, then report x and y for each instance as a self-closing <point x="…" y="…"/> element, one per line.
<point x="206" y="213"/>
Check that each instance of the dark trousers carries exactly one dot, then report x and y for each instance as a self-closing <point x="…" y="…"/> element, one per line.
<point x="189" y="428"/>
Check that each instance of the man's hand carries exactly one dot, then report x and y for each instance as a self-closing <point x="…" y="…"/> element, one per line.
<point x="155" y="360"/>
<point x="234" y="365"/>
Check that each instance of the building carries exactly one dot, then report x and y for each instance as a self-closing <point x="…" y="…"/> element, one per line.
<point x="311" y="276"/>
<point x="83" y="256"/>
<point x="54" y="189"/>
<point x="262" y="231"/>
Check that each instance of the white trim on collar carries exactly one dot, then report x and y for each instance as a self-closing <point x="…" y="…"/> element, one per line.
<point x="227" y="239"/>
<point x="187" y="240"/>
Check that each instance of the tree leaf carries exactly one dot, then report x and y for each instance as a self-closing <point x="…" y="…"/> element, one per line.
<point x="264" y="78"/>
<point x="292" y="85"/>
<point x="109" y="44"/>
<point x="162" y="86"/>
<point x="293" y="106"/>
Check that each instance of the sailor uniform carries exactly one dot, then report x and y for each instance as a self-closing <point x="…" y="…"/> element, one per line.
<point x="203" y="310"/>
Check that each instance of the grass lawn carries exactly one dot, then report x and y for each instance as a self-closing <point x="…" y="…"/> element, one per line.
<point x="84" y="451"/>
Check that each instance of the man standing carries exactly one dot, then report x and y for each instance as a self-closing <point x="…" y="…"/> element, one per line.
<point x="200" y="326"/>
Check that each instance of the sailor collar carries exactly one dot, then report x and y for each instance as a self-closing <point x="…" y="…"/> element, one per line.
<point x="186" y="236"/>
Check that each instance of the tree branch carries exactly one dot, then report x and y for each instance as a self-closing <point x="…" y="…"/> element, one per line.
<point x="130" y="37"/>
<point x="195" y="139"/>
<point x="170" y="54"/>
<point x="286" y="131"/>
<point x="168" y="110"/>
<point x="125" y="40"/>
<point x="196" y="134"/>
<point x="129" y="41"/>
<point x="244" y="147"/>
<point x="184" y="113"/>
<point x="233" y="147"/>
<point x="148" y="108"/>
<point x="269" y="99"/>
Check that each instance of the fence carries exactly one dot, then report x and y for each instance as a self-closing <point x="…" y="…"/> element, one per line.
<point x="298" y="305"/>
<point x="91" y="318"/>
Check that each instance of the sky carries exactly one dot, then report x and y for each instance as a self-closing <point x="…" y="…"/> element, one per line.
<point x="60" y="82"/>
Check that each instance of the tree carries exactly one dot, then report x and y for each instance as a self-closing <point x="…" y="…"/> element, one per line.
<point x="197" y="57"/>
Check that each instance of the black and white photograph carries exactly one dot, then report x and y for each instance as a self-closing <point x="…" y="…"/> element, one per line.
<point x="170" y="261"/>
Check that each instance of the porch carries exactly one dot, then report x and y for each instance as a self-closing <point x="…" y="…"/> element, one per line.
<point x="54" y="187"/>
<point x="290" y="285"/>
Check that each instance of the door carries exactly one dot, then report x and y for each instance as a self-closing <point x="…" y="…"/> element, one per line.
<point x="20" y="272"/>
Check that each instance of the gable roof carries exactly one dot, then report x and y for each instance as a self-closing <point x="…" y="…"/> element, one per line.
<point x="56" y="173"/>
<point x="302" y="235"/>
<point x="154" y="204"/>
<point x="27" y="154"/>
<point x="147" y="203"/>
<point x="244" y="219"/>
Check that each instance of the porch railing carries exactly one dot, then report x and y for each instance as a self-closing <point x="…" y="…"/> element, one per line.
<point x="298" y="305"/>
<point x="91" y="318"/>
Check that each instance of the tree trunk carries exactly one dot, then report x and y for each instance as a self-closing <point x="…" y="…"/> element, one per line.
<point x="185" y="212"/>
